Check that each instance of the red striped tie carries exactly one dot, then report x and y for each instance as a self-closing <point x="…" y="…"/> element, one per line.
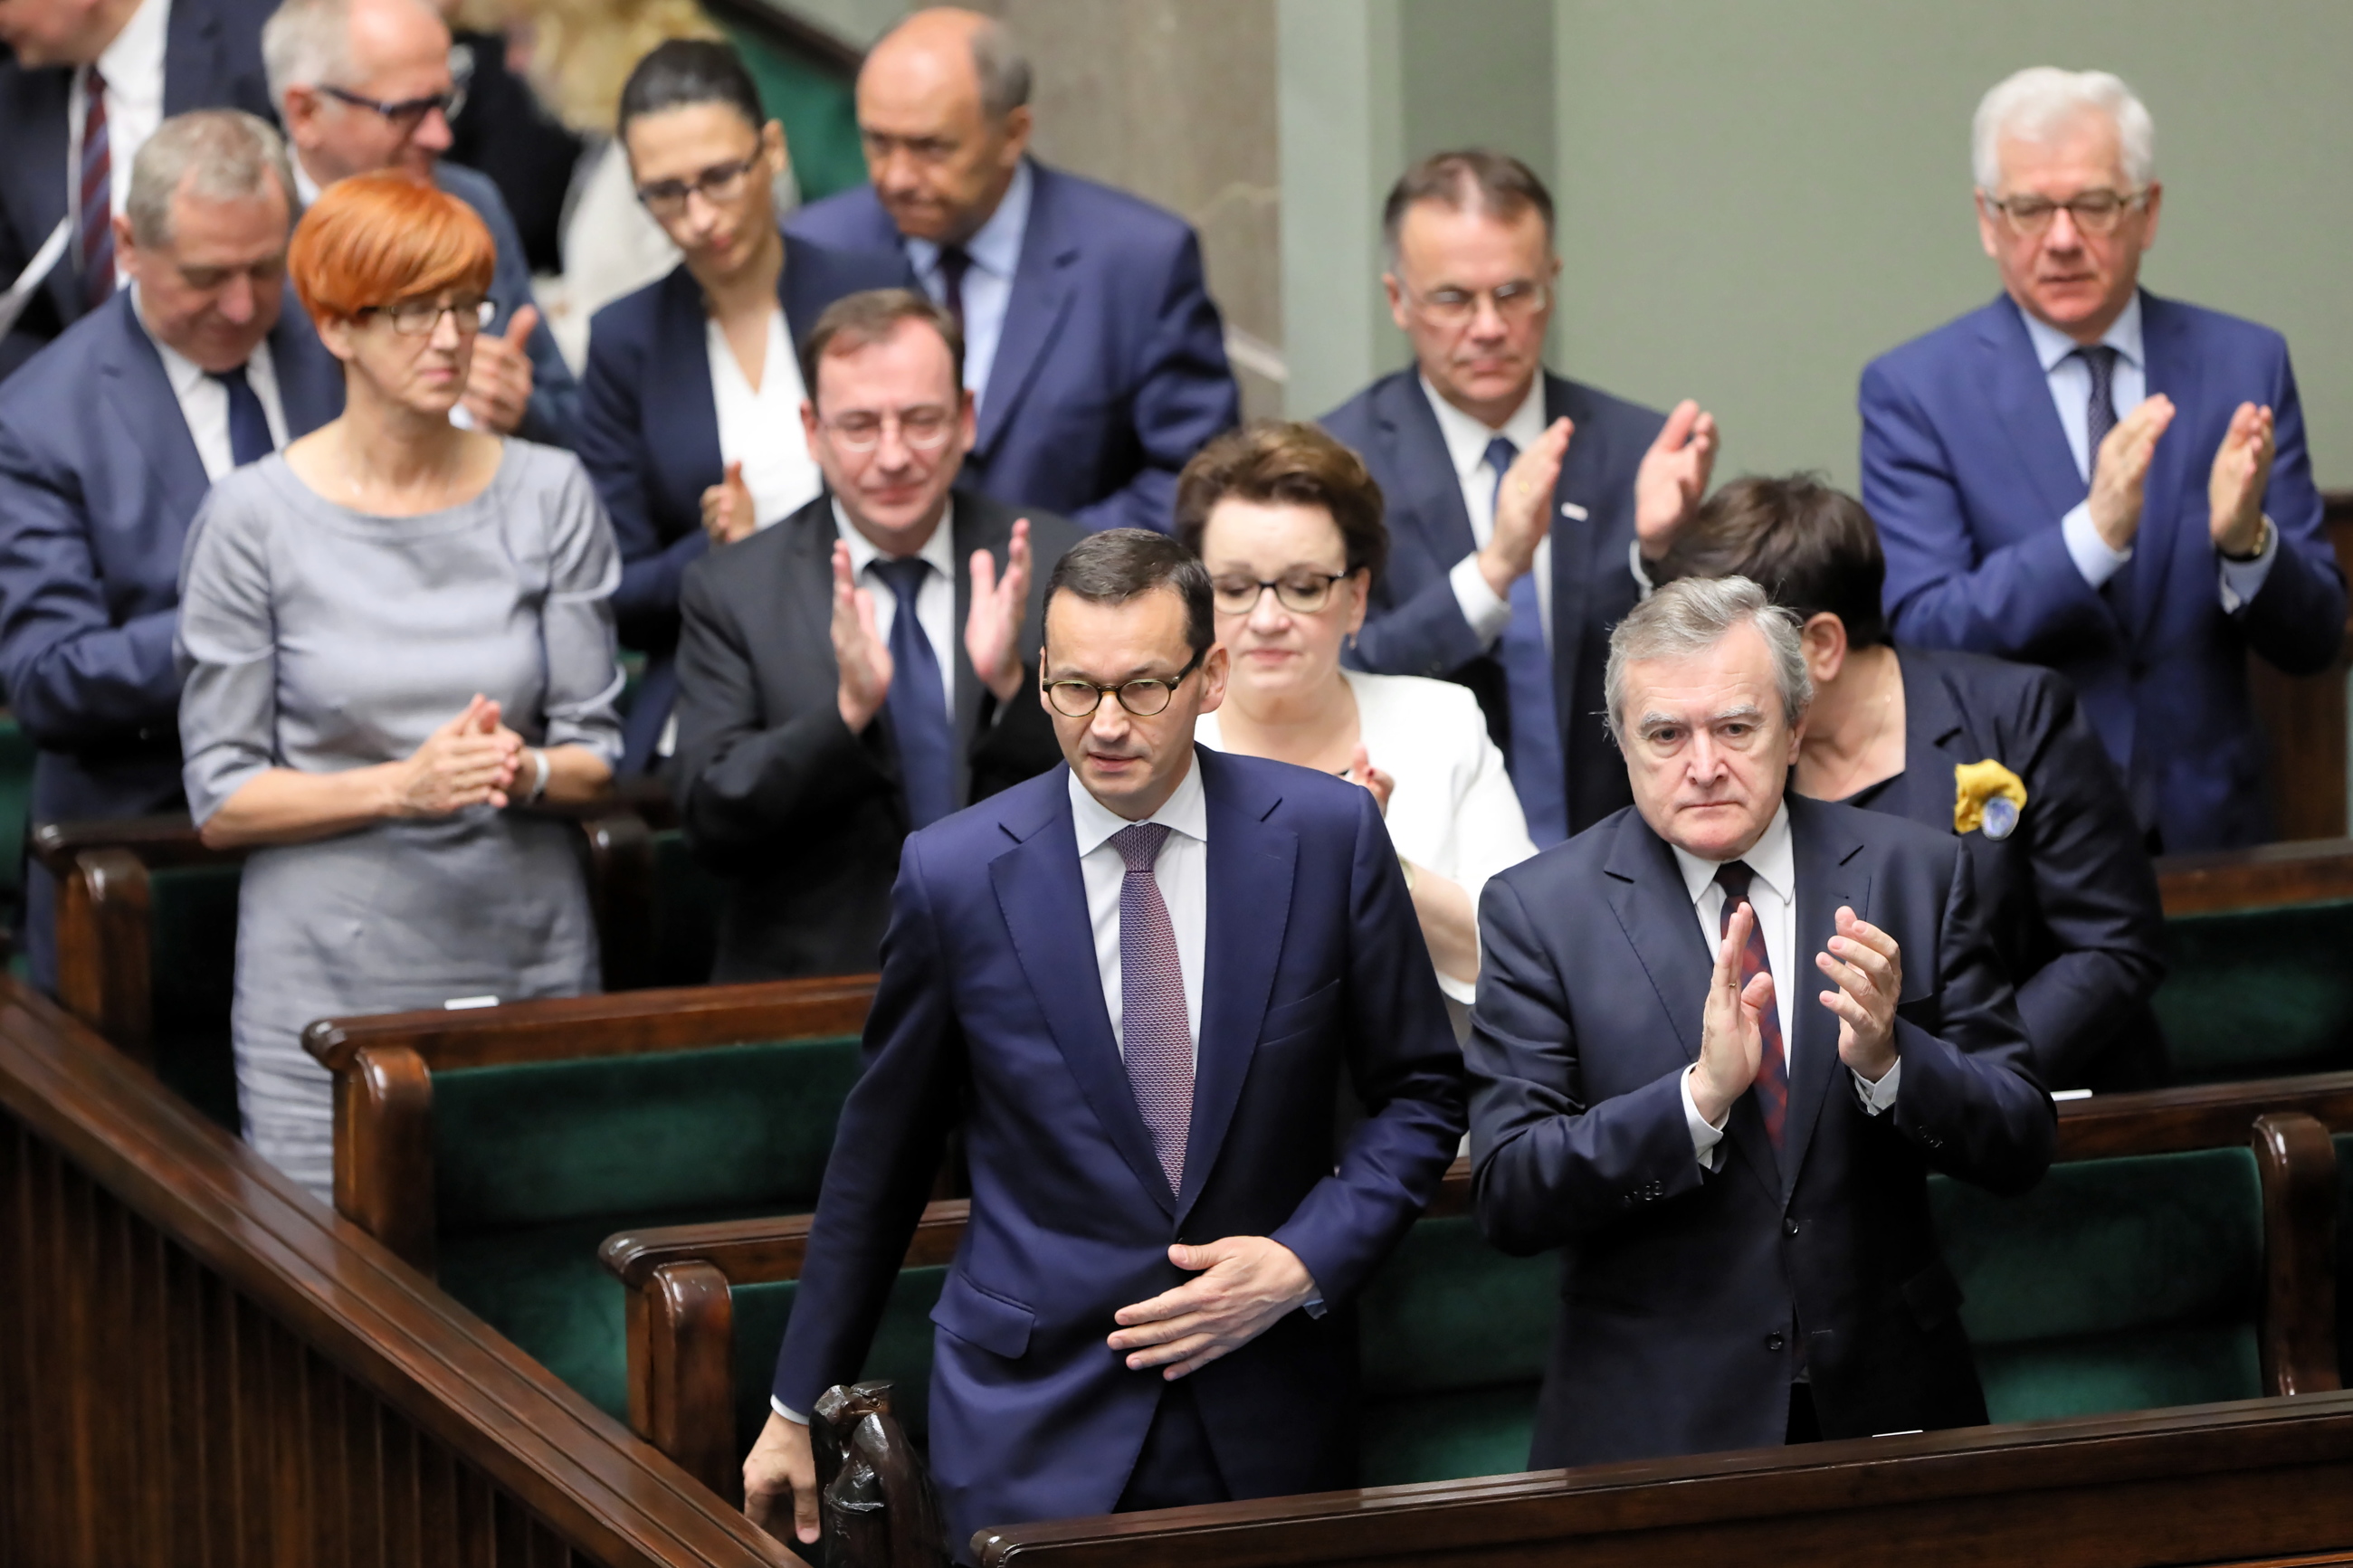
<point x="96" y="241"/>
<point x="1772" y="1085"/>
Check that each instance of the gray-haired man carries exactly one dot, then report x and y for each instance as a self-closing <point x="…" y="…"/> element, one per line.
<point x="1732" y="1153"/>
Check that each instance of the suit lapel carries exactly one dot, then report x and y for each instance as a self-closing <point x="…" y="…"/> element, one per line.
<point x="979" y="525"/>
<point x="682" y="414"/>
<point x="1435" y="503"/>
<point x="1040" y="298"/>
<point x="2172" y="370"/>
<point x="193" y="78"/>
<point x="133" y="374"/>
<point x="1828" y="877"/>
<point x="38" y="143"/>
<point x="2021" y="397"/>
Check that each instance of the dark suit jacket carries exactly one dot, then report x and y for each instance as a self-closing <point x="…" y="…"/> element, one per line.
<point x="989" y="1008"/>
<point x="553" y="417"/>
<point x="1414" y="625"/>
<point x="1686" y="1293"/>
<point x="1111" y="370"/>
<point x="98" y="482"/>
<point x="2070" y="895"/>
<point x="650" y="439"/>
<point x="212" y="60"/>
<point x="1967" y="470"/>
<point x="802" y="817"/>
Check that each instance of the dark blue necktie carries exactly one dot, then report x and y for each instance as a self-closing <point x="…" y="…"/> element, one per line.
<point x="917" y="704"/>
<point x="248" y="427"/>
<point x="1538" y="773"/>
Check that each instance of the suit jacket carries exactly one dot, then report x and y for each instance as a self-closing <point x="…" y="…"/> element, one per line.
<point x="212" y="60"/>
<point x="1111" y="370"/>
<point x="2070" y="895"/>
<point x="802" y="817"/>
<point x="989" y="1008"/>
<point x="1415" y="628"/>
<point x="98" y="482"/>
<point x="552" y="418"/>
<point x="650" y="439"/>
<point x="1687" y="1294"/>
<point x="1967" y="472"/>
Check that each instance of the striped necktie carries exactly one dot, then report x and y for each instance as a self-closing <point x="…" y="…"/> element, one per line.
<point x="94" y="245"/>
<point x="1154" y="1035"/>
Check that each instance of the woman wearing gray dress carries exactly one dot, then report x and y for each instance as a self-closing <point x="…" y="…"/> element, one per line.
<point x="400" y="673"/>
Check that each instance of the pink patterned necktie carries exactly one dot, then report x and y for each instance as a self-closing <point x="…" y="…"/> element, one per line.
<point x="95" y="243"/>
<point x="1154" y="1033"/>
<point x="1772" y="1084"/>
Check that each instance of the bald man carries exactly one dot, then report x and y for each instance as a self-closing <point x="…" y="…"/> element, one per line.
<point x="1092" y="347"/>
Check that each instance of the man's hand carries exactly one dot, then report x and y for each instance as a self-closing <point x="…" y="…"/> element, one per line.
<point x="1523" y="510"/>
<point x="2242" y="470"/>
<point x="2121" y="467"/>
<point x="859" y="651"/>
<point x="498" y="386"/>
<point x="1732" y="1029"/>
<point x="727" y="514"/>
<point x="992" y="626"/>
<point x="1252" y="1280"/>
<point x="780" y="1480"/>
<point x="1867" y="967"/>
<point x="1362" y="771"/>
<point x="1672" y="479"/>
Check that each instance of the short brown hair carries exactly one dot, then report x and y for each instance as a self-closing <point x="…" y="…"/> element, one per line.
<point x="1282" y="460"/>
<point x="1496" y="182"/>
<point x="1813" y="548"/>
<point x="1122" y="563"/>
<point x="856" y="321"/>
<point x="375" y="239"/>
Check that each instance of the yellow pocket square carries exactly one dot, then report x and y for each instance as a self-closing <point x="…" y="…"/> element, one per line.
<point x="1987" y="796"/>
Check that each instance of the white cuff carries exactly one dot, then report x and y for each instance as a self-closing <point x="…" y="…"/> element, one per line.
<point x="1484" y="611"/>
<point x="1705" y="1134"/>
<point x="786" y="1411"/>
<point x="2090" y="553"/>
<point x="1643" y="586"/>
<point x="1879" y="1099"/>
<point x="2243" y="580"/>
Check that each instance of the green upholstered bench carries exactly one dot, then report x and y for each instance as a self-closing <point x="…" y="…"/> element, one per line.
<point x="2258" y="940"/>
<point x="15" y="816"/>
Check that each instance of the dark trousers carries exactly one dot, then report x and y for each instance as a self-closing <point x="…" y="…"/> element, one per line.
<point x="1803" y="1425"/>
<point x="1176" y="1468"/>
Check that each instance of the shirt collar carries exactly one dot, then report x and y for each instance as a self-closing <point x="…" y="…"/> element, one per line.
<point x="2051" y="345"/>
<point x="1186" y="811"/>
<point x="185" y="374"/>
<point x="134" y="63"/>
<point x="1467" y="436"/>
<point x="1772" y="857"/>
<point x="939" y="549"/>
<point x="995" y="246"/>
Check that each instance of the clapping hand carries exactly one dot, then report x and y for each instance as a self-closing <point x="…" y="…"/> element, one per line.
<point x="2121" y="470"/>
<point x="1732" y="1028"/>
<point x="727" y="514"/>
<point x="992" y="626"/>
<point x="1362" y="771"/>
<point x="2243" y="472"/>
<point x="859" y="650"/>
<point x="1672" y="479"/>
<point x="469" y="760"/>
<point x="1523" y="510"/>
<point x="498" y="381"/>
<point x="1867" y="967"/>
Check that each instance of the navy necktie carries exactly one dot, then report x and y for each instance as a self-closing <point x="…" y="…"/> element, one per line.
<point x="1154" y="1035"/>
<point x="1538" y="773"/>
<point x="2100" y="409"/>
<point x="955" y="262"/>
<point x="1772" y="1085"/>
<point x="917" y="704"/>
<point x="248" y="427"/>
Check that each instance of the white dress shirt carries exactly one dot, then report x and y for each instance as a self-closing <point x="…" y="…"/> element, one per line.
<point x="2070" y="380"/>
<point x="1773" y="893"/>
<point x="935" y="601"/>
<point x="1182" y="871"/>
<point x="1486" y="611"/>
<point x="204" y="402"/>
<point x="132" y="66"/>
<point x="762" y="429"/>
<point x="995" y="251"/>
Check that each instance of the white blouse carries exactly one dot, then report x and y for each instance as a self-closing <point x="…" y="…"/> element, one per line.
<point x="762" y="430"/>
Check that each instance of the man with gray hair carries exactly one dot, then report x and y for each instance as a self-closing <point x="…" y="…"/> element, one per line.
<point x="1095" y="359"/>
<point x="2087" y="476"/>
<point x="110" y="438"/>
<point x="1737" y="1172"/>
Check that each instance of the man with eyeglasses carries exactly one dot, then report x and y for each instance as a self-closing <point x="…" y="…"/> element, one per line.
<point x="1140" y="984"/>
<point x="364" y="85"/>
<point x="110" y="438"/>
<point x="83" y="84"/>
<point x="1522" y="505"/>
<point x="858" y="671"/>
<point x="2089" y="477"/>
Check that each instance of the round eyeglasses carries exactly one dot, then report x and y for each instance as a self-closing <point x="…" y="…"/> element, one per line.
<point x="720" y="183"/>
<point x="1146" y="699"/>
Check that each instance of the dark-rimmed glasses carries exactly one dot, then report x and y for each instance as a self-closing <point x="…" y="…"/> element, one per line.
<point x="407" y="114"/>
<point x="1302" y="592"/>
<point x="418" y="318"/>
<point x="719" y="183"/>
<point x="2095" y="213"/>
<point x="1146" y="699"/>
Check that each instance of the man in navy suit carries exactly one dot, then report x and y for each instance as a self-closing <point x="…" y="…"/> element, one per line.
<point x="1092" y="345"/>
<point x="1736" y="1172"/>
<point x="1139" y="980"/>
<point x="2087" y="476"/>
<point x="365" y="85"/>
<point x="1521" y="505"/>
<point x="109" y="439"/>
<point x="133" y="62"/>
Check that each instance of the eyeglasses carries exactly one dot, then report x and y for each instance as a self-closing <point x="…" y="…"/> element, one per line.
<point x="1514" y="302"/>
<point x="408" y="113"/>
<point x="1303" y="592"/>
<point x="924" y="430"/>
<point x="2094" y="212"/>
<point x="418" y="318"/>
<point x="719" y="183"/>
<point x="1144" y="699"/>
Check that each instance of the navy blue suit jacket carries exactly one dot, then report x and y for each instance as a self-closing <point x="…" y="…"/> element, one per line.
<point x="988" y="1009"/>
<point x="1111" y="370"/>
<point x="1687" y="1293"/>
<point x="98" y="482"/>
<point x="1414" y="625"/>
<point x="1967" y="470"/>
<point x="649" y="439"/>
<point x="212" y="60"/>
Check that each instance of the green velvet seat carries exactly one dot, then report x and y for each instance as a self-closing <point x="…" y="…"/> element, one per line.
<point x="902" y="1351"/>
<point x="192" y="957"/>
<point x="2120" y="1284"/>
<point x="2259" y="992"/>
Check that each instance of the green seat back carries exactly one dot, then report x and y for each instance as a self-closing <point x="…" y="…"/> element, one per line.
<point x="686" y="913"/>
<point x="2259" y="992"/>
<point x="815" y="104"/>
<point x="2123" y="1284"/>
<point x="192" y="957"/>
<point x="15" y="807"/>
<point x="902" y="1349"/>
<point x="2345" y="1258"/>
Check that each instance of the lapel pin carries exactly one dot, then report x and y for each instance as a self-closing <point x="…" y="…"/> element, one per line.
<point x="1569" y="509"/>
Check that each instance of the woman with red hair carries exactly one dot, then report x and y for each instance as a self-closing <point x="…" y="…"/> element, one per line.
<point x="399" y="644"/>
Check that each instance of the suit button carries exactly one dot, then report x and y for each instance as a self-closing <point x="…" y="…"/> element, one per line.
<point x="1788" y="1228"/>
<point x="1774" y="1341"/>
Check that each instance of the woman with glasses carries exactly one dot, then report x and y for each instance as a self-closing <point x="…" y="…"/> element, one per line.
<point x="398" y="641"/>
<point x="1289" y="524"/>
<point x="691" y="403"/>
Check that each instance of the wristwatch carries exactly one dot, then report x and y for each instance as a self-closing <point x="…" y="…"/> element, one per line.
<point x="2262" y="542"/>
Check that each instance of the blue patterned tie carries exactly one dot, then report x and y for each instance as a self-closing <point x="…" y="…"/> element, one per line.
<point x="1154" y="1035"/>
<point x="917" y="704"/>
<point x="94" y="246"/>
<point x="248" y="427"/>
<point x="1538" y="773"/>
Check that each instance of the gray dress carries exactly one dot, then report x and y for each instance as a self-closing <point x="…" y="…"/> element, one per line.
<point x="319" y="638"/>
